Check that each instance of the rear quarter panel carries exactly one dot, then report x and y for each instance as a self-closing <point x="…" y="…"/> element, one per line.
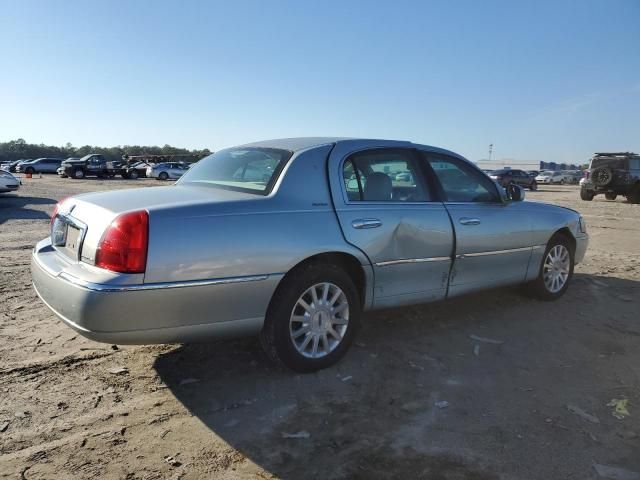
<point x="264" y="235"/>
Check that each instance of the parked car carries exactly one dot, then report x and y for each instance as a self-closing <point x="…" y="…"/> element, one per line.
<point x="551" y="178"/>
<point x="612" y="174"/>
<point x="404" y="177"/>
<point x="8" y="183"/>
<point x="573" y="176"/>
<point x="135" y="170"/>
<point x="166" y="171"/>
<point x="64" y="163"/>
<point x="508" y="176"/>
<point x="92" y="165"/>
<point x="11" y="166"/>
<point x="295" y="253"/>
<point x="533" y="173"/>
<point x="39" y="165"/>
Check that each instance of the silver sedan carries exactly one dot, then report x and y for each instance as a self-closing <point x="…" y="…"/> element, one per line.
<point x="291" y="240"/>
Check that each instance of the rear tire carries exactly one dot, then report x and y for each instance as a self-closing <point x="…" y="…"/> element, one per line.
<point x="555" y="271"/>
<point x="586" y="195"/>
<point x="610" y="196"/>
<point x="287" y="316"/>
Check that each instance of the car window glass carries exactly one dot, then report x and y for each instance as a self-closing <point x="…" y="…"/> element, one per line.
<point x="384" y="175"/>
<point x="461" y="182"/>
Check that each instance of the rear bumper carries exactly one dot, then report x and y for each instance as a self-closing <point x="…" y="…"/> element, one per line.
<point x="151" y="313"/>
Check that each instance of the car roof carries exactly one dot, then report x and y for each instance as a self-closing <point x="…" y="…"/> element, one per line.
<point x="297" y="144"/>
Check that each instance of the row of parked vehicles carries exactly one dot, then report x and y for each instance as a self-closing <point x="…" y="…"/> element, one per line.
<point x="532" y="178"/>
<point x="96" y="165"/>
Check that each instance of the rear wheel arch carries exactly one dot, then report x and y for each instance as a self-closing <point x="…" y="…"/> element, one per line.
<point x="346" y="261"/>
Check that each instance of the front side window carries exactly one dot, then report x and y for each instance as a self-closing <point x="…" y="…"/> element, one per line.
<point x="252" y="170"/>
<point x="461" y="182"/>
<point x="384" y="175"/>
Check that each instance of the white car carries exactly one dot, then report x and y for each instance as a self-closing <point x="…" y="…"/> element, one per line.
<point x="165" y="171"/>
<point x="8" y="183"/>
<point x="551" y="177"/>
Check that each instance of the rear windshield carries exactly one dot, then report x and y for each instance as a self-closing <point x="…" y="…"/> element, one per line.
<point x="252" y="170"/>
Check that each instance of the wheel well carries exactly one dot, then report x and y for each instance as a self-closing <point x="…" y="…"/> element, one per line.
<point x="565" y="232"/>
<point x="347" y="262"/>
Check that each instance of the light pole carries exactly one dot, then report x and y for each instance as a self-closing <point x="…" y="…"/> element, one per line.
<point x="490" y="150"/>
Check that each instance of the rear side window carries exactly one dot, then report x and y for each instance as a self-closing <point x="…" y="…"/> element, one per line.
<point x="384" y="175"/>
<point x="461" y="182"/>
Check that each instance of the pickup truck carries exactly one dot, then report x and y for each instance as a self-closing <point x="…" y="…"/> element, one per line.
<point x="90" y="165"/>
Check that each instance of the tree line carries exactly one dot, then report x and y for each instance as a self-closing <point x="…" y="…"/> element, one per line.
<point x="19" y="149"/>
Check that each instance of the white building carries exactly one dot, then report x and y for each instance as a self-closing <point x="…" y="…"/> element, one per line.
<point x="485" y="164"/>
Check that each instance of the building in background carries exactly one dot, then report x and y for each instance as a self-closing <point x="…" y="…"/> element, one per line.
<point x="485" y="164"/>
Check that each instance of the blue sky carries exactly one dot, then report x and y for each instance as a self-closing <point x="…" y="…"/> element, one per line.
<point x="542" y="80"/>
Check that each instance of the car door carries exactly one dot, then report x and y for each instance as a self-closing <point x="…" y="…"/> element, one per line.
<point x="520" y="178"/>
<point x="395" y="219"/>
<point x="493" y="236"/>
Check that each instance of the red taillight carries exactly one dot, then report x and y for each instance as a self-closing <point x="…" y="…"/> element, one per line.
<point x="123" y="246"/>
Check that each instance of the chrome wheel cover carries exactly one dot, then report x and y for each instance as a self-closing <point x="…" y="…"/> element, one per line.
<point x="555" y="271"/>
<point x="319" y="320"/>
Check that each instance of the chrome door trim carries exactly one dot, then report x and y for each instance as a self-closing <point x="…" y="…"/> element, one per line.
<point x="412" y="260"/>
<point x="499" y="252"/>
<point x="101" y="287"/>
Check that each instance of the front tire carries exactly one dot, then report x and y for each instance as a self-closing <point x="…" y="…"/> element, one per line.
<point x="556" y="269"/>
<point x="78" y="173"/>
<point x="29" y="170"/>
<point x="163" y="176"/>
<point x="133" y="174"/>
<point x="534" y="186"/>
<point x="586" y="195"/>
<point x="312" y="318"/>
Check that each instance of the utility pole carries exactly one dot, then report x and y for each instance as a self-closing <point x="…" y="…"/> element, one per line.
<point x="490" y="150"/>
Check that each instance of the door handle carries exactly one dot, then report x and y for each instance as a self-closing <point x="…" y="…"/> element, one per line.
<point x="469" y="221"/>
<point x="366" y="223"/>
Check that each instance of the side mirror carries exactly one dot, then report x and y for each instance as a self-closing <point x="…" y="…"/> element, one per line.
<point x="515" y="193"/>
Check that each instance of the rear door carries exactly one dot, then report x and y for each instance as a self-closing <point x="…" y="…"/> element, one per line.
<point x="493" y="237"/>
<point x="388" y="211"/>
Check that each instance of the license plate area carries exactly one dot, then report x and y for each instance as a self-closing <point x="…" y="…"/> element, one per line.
<point x="67" y="235"/>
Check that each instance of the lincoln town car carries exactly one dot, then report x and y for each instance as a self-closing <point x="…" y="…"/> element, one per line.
<point x="291" y="240"/>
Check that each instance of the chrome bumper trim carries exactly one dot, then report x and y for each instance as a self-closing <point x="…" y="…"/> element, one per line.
<point x="412" y="260"/>
<point x="100" y="287"/>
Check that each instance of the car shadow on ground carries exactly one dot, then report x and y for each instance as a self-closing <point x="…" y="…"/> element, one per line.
<point x="417" y="396"/>
<point x="14" y="207"/>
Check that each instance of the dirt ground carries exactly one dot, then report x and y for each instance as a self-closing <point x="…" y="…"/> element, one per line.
<point x="534" y="406"/>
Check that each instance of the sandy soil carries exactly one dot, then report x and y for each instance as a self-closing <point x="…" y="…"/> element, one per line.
<point x="532" y="407"/>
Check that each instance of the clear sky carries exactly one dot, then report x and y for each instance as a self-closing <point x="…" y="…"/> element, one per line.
<point x="542" y="80"/>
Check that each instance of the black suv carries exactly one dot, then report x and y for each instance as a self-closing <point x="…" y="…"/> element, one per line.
<point x="612" y="174"/>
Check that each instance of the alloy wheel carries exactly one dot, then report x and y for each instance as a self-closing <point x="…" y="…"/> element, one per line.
<point x="556" y="268"/>
<point x="319" y="320"/>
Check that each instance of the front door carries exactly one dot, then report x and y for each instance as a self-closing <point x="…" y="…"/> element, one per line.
<point x="388" y="211"/>
<point x="493" y="237"/>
